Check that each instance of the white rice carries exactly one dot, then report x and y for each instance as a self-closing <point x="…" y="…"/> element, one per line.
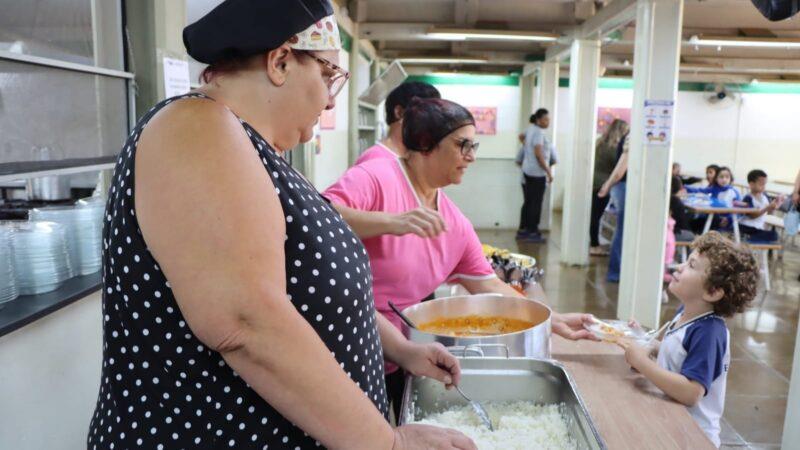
<point x="520" y="425"/>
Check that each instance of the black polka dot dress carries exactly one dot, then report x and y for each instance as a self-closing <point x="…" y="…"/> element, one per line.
<point x="161" y="388"/>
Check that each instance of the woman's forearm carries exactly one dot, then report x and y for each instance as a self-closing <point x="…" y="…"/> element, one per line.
<point x="393" y="341"/>
<point x="619" y="170"/>
<point x="366" y="224"/>
<point x="282" y="358"/>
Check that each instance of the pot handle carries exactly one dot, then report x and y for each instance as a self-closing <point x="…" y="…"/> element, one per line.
<point x="477" y="349"/>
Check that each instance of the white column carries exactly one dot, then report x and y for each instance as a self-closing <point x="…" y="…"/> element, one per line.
<point x="791" y="430"/>
<point x="547" y="98"/>
<point x="655" y="74"/>
<point x="526" y="91"/>
<point x="352" y="115"/>
<point x="579" y="151"/>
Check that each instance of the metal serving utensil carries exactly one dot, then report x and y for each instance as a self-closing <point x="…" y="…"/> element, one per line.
<point x="479" y="410"/>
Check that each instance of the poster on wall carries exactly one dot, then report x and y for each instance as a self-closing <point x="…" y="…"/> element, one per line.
<point x="176" y="77"/>
<point x="485" y="119"/>
<point x="606" y="116"/>
<point x="327" y="120"/>
<point x="658" y="122"/>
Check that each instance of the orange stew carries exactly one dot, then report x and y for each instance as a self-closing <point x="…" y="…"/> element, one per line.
<point x="475" y="326"/>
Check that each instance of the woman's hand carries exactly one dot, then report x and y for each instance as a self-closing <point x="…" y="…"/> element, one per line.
<point x="424" y="222"/>
<point x="430" y="360"/>
<point x="427" y="437"/>
<point x="603" y="192"/>
<point x="571" y="326"/>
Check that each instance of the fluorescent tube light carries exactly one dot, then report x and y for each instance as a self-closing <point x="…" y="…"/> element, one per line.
<point x="744" y="42"/>
<point x="489" y="35"/>
<point x="422" y="60"/>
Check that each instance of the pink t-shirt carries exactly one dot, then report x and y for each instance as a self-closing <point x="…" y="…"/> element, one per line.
<point x="377" y="151"/>
<point x="406" y="269"/>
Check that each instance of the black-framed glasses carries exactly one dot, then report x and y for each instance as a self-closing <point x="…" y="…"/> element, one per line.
<point x="337" y="81"/>
<point x="468" y="146"/>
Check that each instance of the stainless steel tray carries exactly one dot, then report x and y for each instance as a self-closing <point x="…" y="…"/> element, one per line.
<point x="505" y="379"/>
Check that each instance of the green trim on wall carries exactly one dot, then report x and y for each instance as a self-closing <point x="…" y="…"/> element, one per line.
<point x="347" y="44"/>
<point x="686" y="86"/>
<point x="347" y="40"/>
<point x="467" y="79"/>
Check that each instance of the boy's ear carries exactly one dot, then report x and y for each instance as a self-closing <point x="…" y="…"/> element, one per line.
<point x="713" y="296"/>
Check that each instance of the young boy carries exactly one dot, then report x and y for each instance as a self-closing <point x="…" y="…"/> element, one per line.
<point x="718" y="280"/>
<point x="754" y="225"/>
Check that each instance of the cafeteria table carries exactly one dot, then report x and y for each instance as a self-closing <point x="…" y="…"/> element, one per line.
<point x="714" y="210"/>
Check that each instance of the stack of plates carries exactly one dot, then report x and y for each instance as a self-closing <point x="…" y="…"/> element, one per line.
<point x="41" y="260"/>
<point x="8" y="282"/>
<point x="67" y="217"/>
<point x="90" y="234"/>
<point x="83" y="225"/>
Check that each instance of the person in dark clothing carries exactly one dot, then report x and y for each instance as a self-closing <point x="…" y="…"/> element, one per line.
<point x="605" y="158"/>
<point x="676" y="172"/>
<point x="683" y="226"/>
<point x="536" y="160"/>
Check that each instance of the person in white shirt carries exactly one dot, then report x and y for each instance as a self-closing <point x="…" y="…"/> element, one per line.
<point x="754" y="225"/>
<point x="718" y="280"/>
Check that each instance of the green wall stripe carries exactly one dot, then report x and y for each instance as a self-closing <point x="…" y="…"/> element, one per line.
<point x="465" y="79"/>
<point x="347" y="40"/>
<point x="347" y="44"/>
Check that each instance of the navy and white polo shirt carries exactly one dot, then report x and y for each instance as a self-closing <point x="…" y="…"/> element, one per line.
<point x="700" y="351"/>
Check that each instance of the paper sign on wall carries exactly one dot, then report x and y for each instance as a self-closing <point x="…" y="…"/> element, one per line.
<point x="658" y="117"/>
<point x="485" y="119"/>
<point x="176" y="77"/>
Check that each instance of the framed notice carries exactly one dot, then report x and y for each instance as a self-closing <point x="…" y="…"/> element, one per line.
<point x="485" y="119"/>
<point x="176" y="77"/>
<point x="658" y="116"/>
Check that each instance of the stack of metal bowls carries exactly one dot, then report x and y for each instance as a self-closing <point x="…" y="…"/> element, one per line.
<point x="41" y="259"/>
<point x="8" y="281"/>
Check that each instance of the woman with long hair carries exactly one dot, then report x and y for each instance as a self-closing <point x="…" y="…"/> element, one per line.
<point x="605" y="157"/>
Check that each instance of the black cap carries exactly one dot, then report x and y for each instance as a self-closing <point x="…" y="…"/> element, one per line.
<point x="249" y="27"/>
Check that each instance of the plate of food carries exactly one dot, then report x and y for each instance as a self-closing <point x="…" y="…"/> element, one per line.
<point x="613" y="330"/>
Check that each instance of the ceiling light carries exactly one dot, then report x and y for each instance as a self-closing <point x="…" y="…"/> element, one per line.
<point x="489" y="35"/>
<point x="423" y="60"/>
<point x="744" y="42"/>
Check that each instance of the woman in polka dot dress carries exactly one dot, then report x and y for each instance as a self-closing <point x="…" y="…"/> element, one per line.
<point x="238" y="308"/>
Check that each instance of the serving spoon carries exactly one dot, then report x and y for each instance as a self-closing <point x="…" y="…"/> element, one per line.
<point x="478" y="408"/>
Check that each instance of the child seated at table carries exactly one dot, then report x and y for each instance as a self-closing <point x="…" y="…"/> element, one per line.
<point x="721" y="190"/>
<point x="718" y="281"/>
<point x="754" y="225"/>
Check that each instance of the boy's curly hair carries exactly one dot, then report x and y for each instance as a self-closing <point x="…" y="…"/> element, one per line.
<point x="732" y="268"/>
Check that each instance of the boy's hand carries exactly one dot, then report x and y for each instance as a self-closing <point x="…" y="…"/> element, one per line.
<point x="635" y="354"/>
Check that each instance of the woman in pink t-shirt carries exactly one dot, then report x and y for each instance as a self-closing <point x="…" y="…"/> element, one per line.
<point x="438" y="243"/>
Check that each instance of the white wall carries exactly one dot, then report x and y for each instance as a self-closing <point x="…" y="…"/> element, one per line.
<point x="332" y="161"/>
<point x="50" y="377"/>
<point x="507" y="101"/>
<point x="756" y="131"/>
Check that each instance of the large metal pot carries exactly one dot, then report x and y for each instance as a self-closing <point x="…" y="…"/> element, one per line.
<point x="533" y="342"/>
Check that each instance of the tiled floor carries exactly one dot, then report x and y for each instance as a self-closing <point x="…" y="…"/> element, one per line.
<point x="762" y="339"/>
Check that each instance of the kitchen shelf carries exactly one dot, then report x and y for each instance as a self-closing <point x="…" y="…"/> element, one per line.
<point x="32" y="169"/>
<point x="29" y="308"/>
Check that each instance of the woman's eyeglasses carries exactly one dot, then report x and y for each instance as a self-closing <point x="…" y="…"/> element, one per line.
<point x="336" y="81"/>
<point x="468" y="146"/>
